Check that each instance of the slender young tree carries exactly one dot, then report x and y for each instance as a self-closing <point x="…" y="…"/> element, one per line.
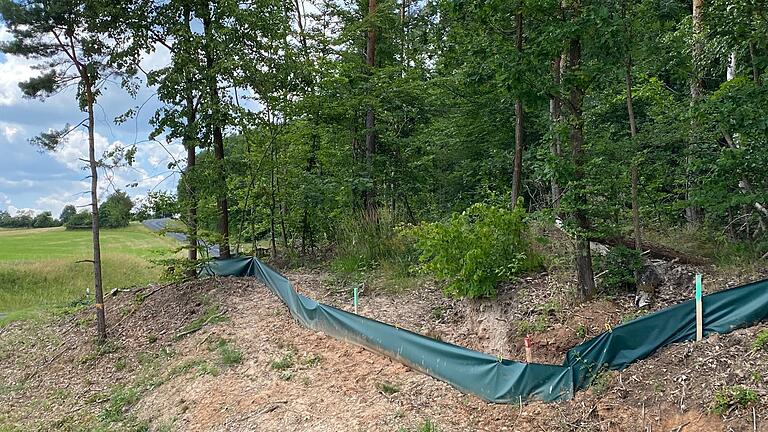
<point x="369" y="196"/>
<point x="518" y="162"/>
<point x="584" y="271"/>
<point x="66" y="37"/>
<point x="633" y="169"/>
<point x="216" y="124"/>
<point x="556" y="118"/>
<point x="691" y="211"/>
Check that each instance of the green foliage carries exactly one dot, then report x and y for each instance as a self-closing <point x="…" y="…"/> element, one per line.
<point x="80" y="220"/>
<point x="363" y="244"/>
<point x="476" y="249"/>
<point x="67" y="212"/>
<point x="120" y="401"/>
<point x="601" y="381"/>
<point x="620" y="265"/>
<point x="115" y="212"/>
<point x="211" y="315"/>
<point x="228" y="354"/>
<point x="158" y="204"/>
<point x="284" y="362"/>
<point x="387" y="388"/>
<point x="427" y="426"/>
<point x="735" y="396"/>
<point x="26" y="219"/>
<point x="539" y="324"/>
<point x="761" y="340"/>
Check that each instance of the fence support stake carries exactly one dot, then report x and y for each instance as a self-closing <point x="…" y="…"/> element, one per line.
<point x="699" y="310"/>
<point x="355" y="300"/>
<point x="528" y="353"/>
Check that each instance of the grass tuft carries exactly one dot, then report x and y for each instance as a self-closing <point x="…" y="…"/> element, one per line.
<point x="284" y="362"/>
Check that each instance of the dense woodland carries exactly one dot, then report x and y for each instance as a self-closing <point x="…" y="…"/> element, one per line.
<point x="323" y="125"/>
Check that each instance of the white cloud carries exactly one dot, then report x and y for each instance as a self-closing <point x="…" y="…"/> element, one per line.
<point x="13" y="70"/>
<point x="4" y="182"/>
<point x="4" y="200"/>
<point x="160" y="57"/>
<point x="160" y="156"/>
<point x="73" y="151"/>
<point x="56" y="202"/>
<point x="15" y="211"/>
<point x="9" y="132"/>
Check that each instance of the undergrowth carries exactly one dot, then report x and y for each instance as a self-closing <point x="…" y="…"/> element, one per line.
<point x="735" y="396"/>
<point x="474" y="250"/>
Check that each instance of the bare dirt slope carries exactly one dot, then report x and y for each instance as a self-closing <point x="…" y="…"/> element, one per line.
<point x="251" y="367"/>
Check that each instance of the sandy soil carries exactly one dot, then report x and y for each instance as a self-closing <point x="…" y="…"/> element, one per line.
<point x="52" y="378"/>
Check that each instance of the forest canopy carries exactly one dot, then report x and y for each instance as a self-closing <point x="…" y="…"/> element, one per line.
<point x="311" y="124"/>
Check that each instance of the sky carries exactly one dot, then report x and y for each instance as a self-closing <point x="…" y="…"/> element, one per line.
<point x="42" y="181"/>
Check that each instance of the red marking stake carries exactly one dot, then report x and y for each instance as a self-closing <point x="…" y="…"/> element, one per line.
<point x="528" y="354"/>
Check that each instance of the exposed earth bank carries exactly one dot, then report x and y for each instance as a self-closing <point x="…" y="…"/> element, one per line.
<point x="224" y="354"/>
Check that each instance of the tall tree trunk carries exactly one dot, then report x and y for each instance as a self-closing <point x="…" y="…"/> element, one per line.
<point x="273" y="203"/>
<point x="191" y="146"/>
<point x="369" y="197"/>
<point x="101" y="322"/>
<point x="755" y="67"/>
<point x="585" y="274"/>
<point x="555" y="116"/>
<point x="218" y="139"/>
<point x="633" y="164"/>
<point x="192" y="211"/>
<point x="692" y="213"/>
<point x="518" y="162"/>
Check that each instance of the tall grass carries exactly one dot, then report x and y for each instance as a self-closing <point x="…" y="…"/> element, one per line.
<point x="39" y="268"/>
<point x="363" y="245"/>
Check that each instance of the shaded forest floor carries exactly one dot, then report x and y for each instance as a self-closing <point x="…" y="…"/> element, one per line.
<point x="224" y="354"/>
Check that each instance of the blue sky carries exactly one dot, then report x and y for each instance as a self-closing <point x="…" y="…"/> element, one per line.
<point x="30" y="179"/>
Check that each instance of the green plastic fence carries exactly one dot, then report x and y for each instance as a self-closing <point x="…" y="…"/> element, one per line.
<point x="501" y="380"/>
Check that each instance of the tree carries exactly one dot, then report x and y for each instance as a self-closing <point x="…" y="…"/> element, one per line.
<point x="115" y="212"/>
<point x="584" y="271"/>
<point x="518" y="160"/>
<point x="369" y="195"/>
<point x="697" y="50"/>
<point x="44" y="220"/>
<point x="81" y="220"/>
<point x="67" y="212"/>
<point x="67" y="39"/>
<point x="632" y="126"/>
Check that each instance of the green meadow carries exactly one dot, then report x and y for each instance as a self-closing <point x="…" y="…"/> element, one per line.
<point x="39" y="268"/>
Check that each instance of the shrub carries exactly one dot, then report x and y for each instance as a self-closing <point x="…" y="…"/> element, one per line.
<point x="761" y="340"/>
<point x="620" y="265"/>
<point x="80" y="220"/>
<point x="475" y="250"/>
<point x="735" y="396"/>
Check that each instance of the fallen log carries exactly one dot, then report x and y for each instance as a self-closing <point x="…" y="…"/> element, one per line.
<point x="654" y="250"/>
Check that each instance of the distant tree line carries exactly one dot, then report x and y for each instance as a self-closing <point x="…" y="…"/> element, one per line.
<point x="115" y="213"/>
<point x="27" y="219"/>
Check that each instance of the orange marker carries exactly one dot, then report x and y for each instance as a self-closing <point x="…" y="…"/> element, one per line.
<point x="528" y="354"/>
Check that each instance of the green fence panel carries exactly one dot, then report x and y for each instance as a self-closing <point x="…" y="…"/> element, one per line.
<point x="501" y="380"/>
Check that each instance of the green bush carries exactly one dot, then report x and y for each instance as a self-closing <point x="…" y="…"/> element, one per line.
<point x="80" y="220"/>
<point x="620" y="265"/>
<point x="475" y="250"/>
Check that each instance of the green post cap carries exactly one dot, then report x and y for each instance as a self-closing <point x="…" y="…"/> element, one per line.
<point x="698" y="286"/>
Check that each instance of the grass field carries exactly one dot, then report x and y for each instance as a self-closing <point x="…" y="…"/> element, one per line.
<point x="38" y="268"/>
